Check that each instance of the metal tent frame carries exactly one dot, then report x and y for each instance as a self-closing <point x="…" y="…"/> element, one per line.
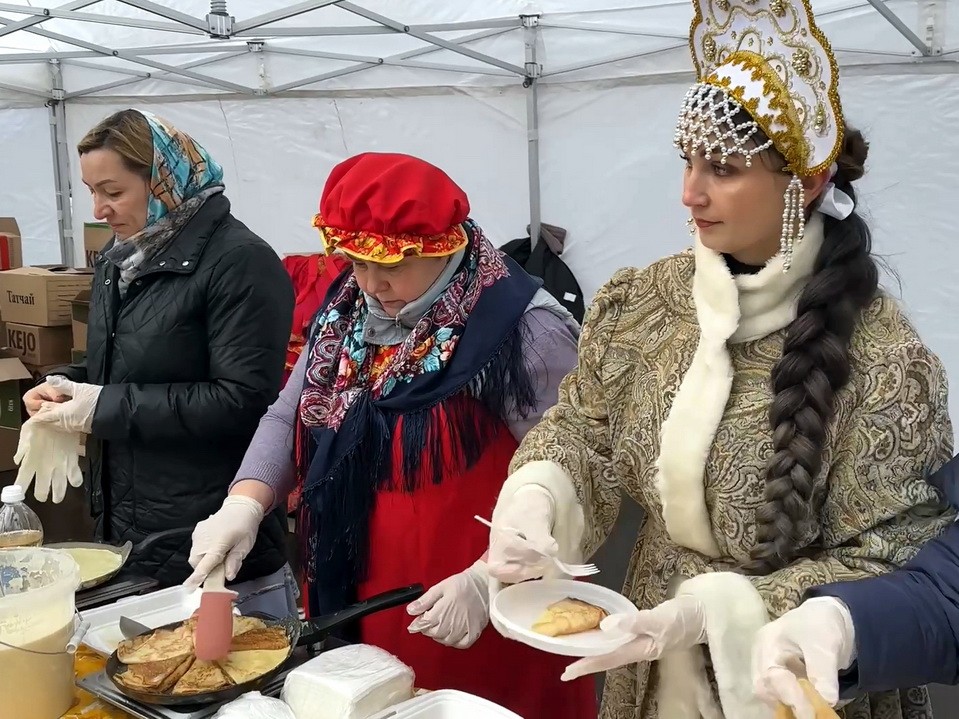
<point x="231" y="39"/>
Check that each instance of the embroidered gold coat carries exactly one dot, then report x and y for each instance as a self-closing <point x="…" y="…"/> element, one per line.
<point x="647" y="333"/>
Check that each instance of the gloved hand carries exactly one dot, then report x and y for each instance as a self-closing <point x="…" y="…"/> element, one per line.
<point x="74" y="415"/>
<point x="678" y="623"/>
<point x="456" y="611"/>
<point x="49" y="455"/>
<point x="225" y="537"/>
<point x="34" y="398"/>
<point x="818" y="635"/>
<point x="513" y="559"/>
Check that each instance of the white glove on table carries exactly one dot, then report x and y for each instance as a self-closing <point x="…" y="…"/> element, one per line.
<point x="513" y="559"/>
<point x="51" y="457"/>
<point x="225" y="537"/>
<point x="818" y="635"/>
<point x="678" y="623"/>
<point x="74" y="415"/>
<point x="455" y="611"/>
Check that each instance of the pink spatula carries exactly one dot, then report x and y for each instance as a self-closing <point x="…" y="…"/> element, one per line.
<point x="214" y="618"/>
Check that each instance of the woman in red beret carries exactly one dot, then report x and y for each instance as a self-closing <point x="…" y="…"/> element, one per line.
<point x="426" y="365"/>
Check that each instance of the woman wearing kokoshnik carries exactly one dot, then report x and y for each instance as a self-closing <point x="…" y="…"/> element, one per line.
<point x="770" y="408"/>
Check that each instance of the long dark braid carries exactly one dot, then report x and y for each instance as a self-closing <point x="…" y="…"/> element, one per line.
<point x="813" y="367"/>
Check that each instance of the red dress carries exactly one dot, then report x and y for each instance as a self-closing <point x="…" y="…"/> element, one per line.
<point x="426" y="536"/>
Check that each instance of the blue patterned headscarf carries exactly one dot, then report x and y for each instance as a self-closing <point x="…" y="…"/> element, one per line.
<point x="181" y="168"/>
<point x="182" y="178"/>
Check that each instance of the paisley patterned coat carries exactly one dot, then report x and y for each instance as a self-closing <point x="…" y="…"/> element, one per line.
<point x="606" y="437"/>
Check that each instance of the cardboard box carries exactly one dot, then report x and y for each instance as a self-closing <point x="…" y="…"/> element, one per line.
<point x="96" y="236"/>
<point x="13" y="374"/>
<point x="80" y="313"/>
<point x="41" y="296"/>
<point x="9" y="440"/>
<point x="11" y="246"/>
<point x="40" y="345"/>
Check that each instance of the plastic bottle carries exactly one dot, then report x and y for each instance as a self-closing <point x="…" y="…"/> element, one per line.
<point x="19" y="525"/>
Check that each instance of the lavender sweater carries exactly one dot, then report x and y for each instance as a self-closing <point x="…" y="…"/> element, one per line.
<point x="550" y="353"/>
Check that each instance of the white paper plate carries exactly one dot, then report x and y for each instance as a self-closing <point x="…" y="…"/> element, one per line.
<point x="514" y="610"/>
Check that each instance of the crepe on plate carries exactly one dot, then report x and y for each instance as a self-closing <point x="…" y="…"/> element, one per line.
<point x="569" y="616"/>
<point x="255" y="650"/>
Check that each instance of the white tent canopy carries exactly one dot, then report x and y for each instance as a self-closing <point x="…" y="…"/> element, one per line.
<point x="563" y="109"/>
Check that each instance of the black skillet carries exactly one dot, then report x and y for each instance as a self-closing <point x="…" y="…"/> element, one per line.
<point x="311" y="633"/>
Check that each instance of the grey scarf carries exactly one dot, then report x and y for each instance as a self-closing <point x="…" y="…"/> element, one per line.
<point x="131" y="254"/>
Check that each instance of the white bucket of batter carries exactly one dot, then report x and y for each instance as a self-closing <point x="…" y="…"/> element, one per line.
<point x="37" y="610"/>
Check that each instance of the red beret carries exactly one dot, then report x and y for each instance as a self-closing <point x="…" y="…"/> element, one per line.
<point x="383" y="207"/>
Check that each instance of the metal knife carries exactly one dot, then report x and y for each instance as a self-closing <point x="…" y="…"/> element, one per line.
<point x="130" y="628"/>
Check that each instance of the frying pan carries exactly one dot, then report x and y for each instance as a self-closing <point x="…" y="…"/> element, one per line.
<point x="123" y="551"/>
<point x="299" y="633"/>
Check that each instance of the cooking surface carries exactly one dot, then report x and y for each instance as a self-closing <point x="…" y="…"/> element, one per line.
<point x="94" y="681"/>
<point x="123" y="585"/>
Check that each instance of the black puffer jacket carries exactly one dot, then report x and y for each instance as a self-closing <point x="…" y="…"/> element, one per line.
<point x="189" y="361"/>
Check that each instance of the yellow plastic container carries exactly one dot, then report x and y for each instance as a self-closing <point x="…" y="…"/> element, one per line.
<point x="37" y="610"/>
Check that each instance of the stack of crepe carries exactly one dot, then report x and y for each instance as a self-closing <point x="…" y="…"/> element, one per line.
<point x="163" y="662"/>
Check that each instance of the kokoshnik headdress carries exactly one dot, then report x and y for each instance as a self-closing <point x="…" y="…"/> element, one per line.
<point x="769" y="59"/>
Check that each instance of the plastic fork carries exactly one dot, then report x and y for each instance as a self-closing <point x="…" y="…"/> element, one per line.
<point x="573" y="570"/>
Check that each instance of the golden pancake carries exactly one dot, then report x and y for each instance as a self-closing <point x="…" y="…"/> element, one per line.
<point x="266" y="638"/>
<point x="241" y="625"/>
<point x="202" y="677"/>
<point x="822" y="709"/>
<point x="157" y="646"/>
<point x="246" y="666"/>
<point x="569" y="616"/>
<point x="155" y="677"/>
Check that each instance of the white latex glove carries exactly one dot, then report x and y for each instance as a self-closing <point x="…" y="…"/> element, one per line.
<point x="816" y="639"/>
<point x="678" y="623"/>
<point x="513" y="559"/>
<point x="455" y="611"/>
<point x="74" y="415"/>
<point x="225" y="537"/>
<point x="50" y="456"/>
<point x="35" y="397"/>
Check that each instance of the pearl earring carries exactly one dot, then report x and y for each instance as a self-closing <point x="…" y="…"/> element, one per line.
<point x="691" y="226"/>
<point x="793" y="220"/>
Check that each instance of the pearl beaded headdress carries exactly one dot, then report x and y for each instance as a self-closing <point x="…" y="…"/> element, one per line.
<point x="769" y="58"/>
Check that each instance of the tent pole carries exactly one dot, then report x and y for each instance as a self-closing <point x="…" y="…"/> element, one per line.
<point x="61" y="166"/>
<point x="533" y="72"/>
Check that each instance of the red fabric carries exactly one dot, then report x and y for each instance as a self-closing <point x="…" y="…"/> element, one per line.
<point x="391" y="194"/>
<point x="430" y="534"/>
<point x="312" y="276"/>
<point x="5" y="253"/>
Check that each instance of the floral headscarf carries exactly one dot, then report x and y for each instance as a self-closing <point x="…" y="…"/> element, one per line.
<point x="183" y="177"/>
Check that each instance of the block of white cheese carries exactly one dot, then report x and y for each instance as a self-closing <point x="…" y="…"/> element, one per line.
<point x="352" y="682"/>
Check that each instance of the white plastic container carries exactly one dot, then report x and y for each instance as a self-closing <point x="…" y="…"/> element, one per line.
<point x="447" y="704"/>
<point x="36" y="623"/>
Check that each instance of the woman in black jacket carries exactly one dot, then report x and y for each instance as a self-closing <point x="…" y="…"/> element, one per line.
<point x="190" y="317"/>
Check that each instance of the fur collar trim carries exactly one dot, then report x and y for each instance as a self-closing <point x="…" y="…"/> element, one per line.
<point x="729" y="310"/>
